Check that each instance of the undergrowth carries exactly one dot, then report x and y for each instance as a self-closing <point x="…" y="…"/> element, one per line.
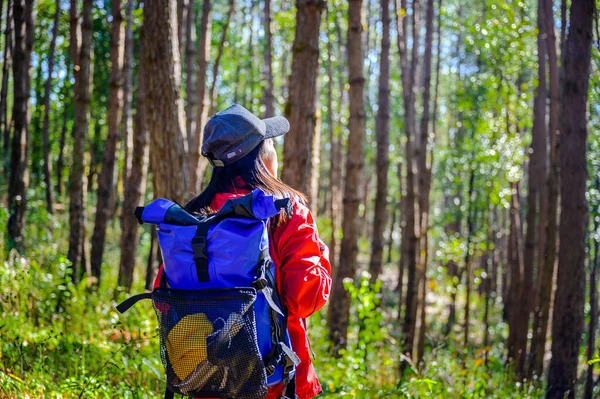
<point x="61" y="340"/>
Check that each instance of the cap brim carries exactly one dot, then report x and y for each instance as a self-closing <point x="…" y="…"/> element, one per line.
<point x="276" y="126"/>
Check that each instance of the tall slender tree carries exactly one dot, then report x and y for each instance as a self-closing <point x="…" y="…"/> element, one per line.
<point x="269" y="96"/>
<point x="568" y="316"/>
<point x="594" y="264"/>
<point x="47" y="168"/>
<point x="339" y="307"/>
<point x="136" y="184"/>
<point x="127" y="121"/>
<point x="106" y="179"/>
<point x="81" y="105"/>
<point x="542" y="314"/>
<point x="196" y="163"/>
<point x="424" y="165"/>
<point x="301" y="108"/>
<point x="17" y="186"/>
<point x="382" y="132"/>
<point x="163" y="106"/>
<point x="6" y="60"/>
<point x="409" y="228"/>
<point x="536" y="210"/>
<point x="191" y="60"/>
<point x="212" y="95"/>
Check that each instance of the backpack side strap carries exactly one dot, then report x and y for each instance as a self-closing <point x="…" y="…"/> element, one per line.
<point x="132" y="300"/>
<point x="286" y="205"/>
<point x="139" y="210"/>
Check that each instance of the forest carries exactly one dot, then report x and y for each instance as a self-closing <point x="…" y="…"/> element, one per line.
<point x="449" y="151"/>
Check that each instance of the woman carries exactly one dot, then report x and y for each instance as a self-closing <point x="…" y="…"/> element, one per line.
<point x="240" y="147"/>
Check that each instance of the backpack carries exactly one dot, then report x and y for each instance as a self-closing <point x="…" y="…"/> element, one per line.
<point x="222" y="326"/>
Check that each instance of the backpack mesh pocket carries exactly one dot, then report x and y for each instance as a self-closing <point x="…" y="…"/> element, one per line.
<point x="208" y="342"/>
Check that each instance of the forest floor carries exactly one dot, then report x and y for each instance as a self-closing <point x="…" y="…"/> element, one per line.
<point x="61" y="340"/>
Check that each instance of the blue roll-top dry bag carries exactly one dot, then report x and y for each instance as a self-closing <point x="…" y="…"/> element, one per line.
<point x="223" y="328"/>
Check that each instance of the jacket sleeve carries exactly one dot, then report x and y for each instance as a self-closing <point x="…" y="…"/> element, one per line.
<point x="303" y="260"/>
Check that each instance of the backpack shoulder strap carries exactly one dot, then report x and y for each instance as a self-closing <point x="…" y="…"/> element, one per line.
<point x="132" y="300"/>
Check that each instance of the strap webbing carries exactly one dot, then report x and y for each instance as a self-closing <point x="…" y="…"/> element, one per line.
<point x="200" y="256"/>
<point x="285" y="204"/>
<point x="138" y="214"/>
<point x="132" y="300"/>
<point x="169" y="394"/>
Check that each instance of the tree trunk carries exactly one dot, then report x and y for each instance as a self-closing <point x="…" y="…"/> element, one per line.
<point x="402" y="259"/>
<point x="106" y="178"/>
<point x="154" y="259"/>
<point x="542" y="316"/>
<point x="382" y="132"/>
<point x="301" y="108"/>
<point x="410" y="255"/>
<point x="334" y="166"/>
<point x="339" y="306"/>
<point x="196" y="164"/>
<point x="536" y="178"/>
<point x="568" y="317"/>
<point x="183" y="8"/>
<point x="63" y="136"/>
<point x="19" y="179"/>
<point x="468" y="256"/>
<point x="46" y="127"/>
<point x="517" y="338"/>
<point x="212" y="96"/>
<point x="127" y="120"/>
<point x="593" y="325"/>
<point x="7" y="56"/>
<point x="77" y="188"/>
<point x="136" y="184"/>
<point x="269" y="96"/>
<point x="425" y="168"/>
<point x="191" y="60"/>
<point x="74" y="35"/>
<point x="163" y="105"/>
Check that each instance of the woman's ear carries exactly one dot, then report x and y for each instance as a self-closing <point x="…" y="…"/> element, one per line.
<point x="269" y="157"/>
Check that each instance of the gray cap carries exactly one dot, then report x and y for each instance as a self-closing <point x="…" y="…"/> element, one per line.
<point x="232" y="133"/>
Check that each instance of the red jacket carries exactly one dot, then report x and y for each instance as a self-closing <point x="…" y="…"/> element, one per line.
<point x="303" y="275"/>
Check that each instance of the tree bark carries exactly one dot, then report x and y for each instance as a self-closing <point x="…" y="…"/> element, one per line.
<point x="127" y="120"/>
<point x="469" y="256"/>
<point x="568" y="317"/>
<point x="593" y="325"/>
<point x="19" y="179"/>
<point x="191" y="60"/>
<point x="77" y="188"/>
<point x="7" y="57"/>
<point x="269" y="96"/>
<point x="63" y="136"/>
<point x="425" y="168"/>
<point x="106" y="178"/>
<point x="196" y="163"/>
<point x="382" y="132"/>
<point x="301" y="108"/>
<point x="339" y="306"/>
<point x="74" y="35"/>
<point x="334" y="166"/>
<point x="136" y="184"/>
<point x="536" y="178"/>
<point x="47" y="169"/>
<point x="542" y="316"/>
<point x="163" y="105"/>
<point x="215" y="71"/>
<point x="408" y="75"/>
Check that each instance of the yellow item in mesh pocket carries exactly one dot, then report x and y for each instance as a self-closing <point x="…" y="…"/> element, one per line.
<point x="186" y="343"/>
